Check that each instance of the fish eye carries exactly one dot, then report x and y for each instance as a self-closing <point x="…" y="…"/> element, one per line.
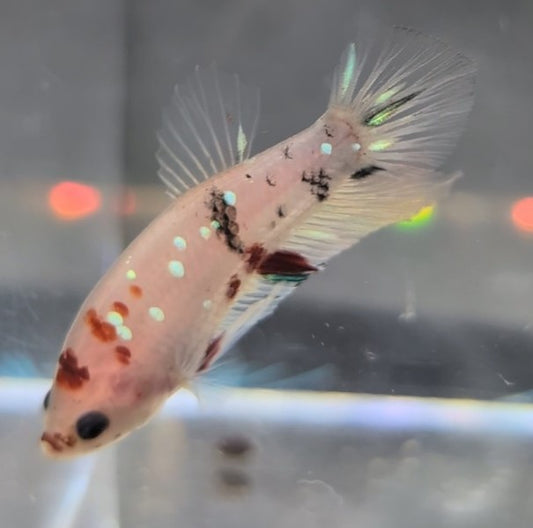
<point x="91" y="424"/>
<point x="46" y="398"/>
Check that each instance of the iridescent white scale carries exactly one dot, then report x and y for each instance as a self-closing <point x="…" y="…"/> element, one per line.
<point x="242" y="232"/>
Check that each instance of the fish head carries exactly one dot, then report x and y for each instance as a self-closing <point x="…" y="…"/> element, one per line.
<point x="96" y="400"/>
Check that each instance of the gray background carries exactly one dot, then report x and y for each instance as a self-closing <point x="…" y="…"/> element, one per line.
<point x="445" y="311"/>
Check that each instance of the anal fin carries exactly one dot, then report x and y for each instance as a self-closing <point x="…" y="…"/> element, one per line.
<point x="359" y="207"/>
<point x="259" y="300"/>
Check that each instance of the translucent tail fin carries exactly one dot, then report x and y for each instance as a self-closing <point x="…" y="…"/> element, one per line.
<point x="409" y="97"/>
<point x="407" y="102"/>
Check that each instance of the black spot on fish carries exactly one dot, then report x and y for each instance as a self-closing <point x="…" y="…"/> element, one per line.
<point x="366" y="171"/>
<point x="328" y="131"/>
<point x="270" y="181"/>
<point x="282" y="211"/>
<point x="249" y="176"/>
<point x="226" y="217"/>
<point x="287" y="153"/>
<point x="319" y="183"/>
<point x="377" y="117"/>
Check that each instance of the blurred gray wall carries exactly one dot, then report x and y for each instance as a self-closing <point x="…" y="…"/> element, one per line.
<point x="62" y="90"/>
<point x="81" y="93"/>
<point x="61" y="118"/>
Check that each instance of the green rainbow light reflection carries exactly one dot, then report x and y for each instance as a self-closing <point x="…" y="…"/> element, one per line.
<point x="419" y="220"/>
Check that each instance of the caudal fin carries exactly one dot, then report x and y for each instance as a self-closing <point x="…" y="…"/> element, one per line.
<point x="407" y="101"/>
<point x="409" y="96"/>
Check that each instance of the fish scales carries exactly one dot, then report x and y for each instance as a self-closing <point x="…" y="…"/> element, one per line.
<point x="242" y="232"/>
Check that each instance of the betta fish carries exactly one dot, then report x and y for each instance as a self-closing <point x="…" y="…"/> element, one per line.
<point x="243" y="231"/>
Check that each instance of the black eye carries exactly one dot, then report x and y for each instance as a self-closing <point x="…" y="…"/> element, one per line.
<point x="91" y="424"/>
<point x="45" y="401"/>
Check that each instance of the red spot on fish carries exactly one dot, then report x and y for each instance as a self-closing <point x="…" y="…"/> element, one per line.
<point x="285" y="263"/>
<point x="254" y="255"/>
<point x="136" y="291"/>
<point x="210" y="353"/>
<point x="123" y="354"/>
<point x="69" y="373"/>
<point x="233" y="286"/>
<point x="121" y="308"/>
<point x="54" y="443"/>
<point x="57" y="441"/>
<point x="102" y="330"/>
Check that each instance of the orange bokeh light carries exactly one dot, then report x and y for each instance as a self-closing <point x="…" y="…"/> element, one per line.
<point x="522" y="214"/>
<point x="71" y="200"/>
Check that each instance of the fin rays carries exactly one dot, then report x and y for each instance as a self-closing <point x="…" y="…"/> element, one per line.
<point x="259" y="301"/>
<point x="407" y="104"/>
<point x="209" y="126"/>
<point x="381" y="95"/>
<point x="360" y="207"/>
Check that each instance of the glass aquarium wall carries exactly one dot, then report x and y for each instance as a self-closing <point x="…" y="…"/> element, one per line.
<point x="391" y="389"/>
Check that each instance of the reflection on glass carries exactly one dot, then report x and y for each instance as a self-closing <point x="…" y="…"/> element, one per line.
<point x="70" y="200"/>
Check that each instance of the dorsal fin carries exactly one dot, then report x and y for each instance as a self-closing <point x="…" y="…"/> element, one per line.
<point x="208" y="127"/>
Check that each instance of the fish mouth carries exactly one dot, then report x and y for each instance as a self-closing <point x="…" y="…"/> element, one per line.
<point x="55" y="443"/>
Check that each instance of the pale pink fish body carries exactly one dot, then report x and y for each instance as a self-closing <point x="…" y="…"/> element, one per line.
<point x="235" y="243"/>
